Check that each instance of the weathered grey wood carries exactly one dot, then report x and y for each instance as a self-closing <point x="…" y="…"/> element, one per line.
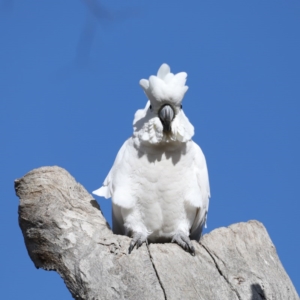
<point x="245" y="255"/>
<point x="64" y="230"/>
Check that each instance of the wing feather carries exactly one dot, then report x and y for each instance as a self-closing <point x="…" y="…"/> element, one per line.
<point x="203" y="182"/>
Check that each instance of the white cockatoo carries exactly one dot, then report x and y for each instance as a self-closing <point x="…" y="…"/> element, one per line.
<point x="159" y="181"/>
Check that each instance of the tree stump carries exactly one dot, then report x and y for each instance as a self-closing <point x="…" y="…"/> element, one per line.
<point x="64" y="230"/>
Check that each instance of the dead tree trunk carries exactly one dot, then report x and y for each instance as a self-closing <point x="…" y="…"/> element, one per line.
<point x="65" y="231"/>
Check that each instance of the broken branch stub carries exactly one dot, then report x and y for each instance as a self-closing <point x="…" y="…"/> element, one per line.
<point x="64" y="230"/>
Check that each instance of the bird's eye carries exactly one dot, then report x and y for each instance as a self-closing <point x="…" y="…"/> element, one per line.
<point x="181" y="106"/>
<point x="150" y="106"/>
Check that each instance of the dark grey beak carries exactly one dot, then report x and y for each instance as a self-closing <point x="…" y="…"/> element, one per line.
<point x="166" y="115"/>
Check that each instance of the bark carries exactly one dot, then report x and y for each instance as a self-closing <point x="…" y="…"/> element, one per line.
<point x="64" y="230"/>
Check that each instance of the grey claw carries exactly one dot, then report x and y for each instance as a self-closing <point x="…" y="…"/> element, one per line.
<point x="138" y="239"/>
<point x="182" y="240"/>
<point x="139" y="244"/>
<point x="131" y="246"/>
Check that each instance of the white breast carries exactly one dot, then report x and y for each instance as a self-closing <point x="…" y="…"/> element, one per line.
<point x="158" y="185"/>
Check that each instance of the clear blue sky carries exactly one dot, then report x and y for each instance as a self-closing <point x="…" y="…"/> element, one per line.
<point x="69" y="90"/>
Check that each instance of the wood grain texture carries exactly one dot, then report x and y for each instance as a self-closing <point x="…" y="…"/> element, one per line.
<point x="64" y="230"/>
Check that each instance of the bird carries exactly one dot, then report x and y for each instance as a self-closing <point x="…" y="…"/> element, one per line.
<point x="159" y="182"/>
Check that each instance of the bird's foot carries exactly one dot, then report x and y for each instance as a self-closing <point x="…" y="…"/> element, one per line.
<point x="184" y="241"/>
<point x="138" y="239"/>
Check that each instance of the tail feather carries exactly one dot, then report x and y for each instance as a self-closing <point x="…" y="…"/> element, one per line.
<point x="103" y="192"/>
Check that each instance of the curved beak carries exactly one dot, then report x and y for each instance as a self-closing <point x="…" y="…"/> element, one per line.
<point x="166" y="115"/>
